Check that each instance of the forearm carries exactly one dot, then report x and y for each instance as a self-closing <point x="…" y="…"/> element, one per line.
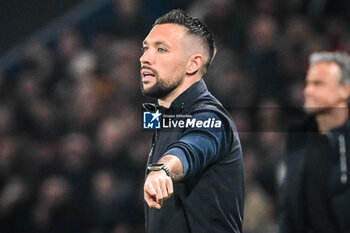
<point x="195" y="151"/>
<point x="174" y="165"/>
<point x="196" y="148"/>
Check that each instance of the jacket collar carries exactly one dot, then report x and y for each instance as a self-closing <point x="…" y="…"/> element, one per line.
<point x="190" y="96"/>
<point x="343" y="128"/>
<point x="185" y="100"/>
<point x="310" y="125"/>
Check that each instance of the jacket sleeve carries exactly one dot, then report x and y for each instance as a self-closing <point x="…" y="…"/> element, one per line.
<point x="198" y="147"/>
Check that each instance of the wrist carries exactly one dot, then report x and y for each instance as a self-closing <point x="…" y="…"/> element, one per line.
<point x="175" y="166"/>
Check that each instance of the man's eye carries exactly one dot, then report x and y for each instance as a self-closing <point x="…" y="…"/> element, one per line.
<point x="162" y="50"/>
<point x="143" y="49"/>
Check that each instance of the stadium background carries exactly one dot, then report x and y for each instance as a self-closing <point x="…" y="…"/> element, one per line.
<point x="72" y="152"/>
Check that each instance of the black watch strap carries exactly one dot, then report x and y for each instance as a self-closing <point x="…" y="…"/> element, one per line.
<point x="158" y="167"/>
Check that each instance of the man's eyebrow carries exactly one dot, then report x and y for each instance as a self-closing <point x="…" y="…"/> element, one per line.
<point x="157" y="43"/>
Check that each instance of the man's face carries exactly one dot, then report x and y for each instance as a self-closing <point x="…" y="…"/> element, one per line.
<point x="323" y="90"/>
<point x="163" y="63"/>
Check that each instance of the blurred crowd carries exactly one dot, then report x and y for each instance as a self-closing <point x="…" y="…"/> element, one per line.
<point x="72" y="148"/>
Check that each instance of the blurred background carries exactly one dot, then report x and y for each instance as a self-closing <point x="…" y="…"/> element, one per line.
<point x="72" y="151"/>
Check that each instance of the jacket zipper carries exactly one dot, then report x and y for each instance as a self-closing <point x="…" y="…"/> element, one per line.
<point x="342" y="158"/>
<point x="149" y="160"/>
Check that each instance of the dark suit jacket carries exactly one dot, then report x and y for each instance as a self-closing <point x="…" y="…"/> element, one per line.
<point x="292" y="201"/>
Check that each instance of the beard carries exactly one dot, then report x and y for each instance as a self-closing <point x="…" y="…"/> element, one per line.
<point x="161" y="88"/>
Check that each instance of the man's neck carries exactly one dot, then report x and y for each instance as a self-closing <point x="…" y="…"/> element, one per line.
<point x="166" y="101"/>
<point x="332" y="119"/>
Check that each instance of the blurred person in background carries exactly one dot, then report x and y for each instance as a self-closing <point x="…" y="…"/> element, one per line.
<point x="76" y="164"/>
<point x="261" y="58"/>
<point x="224" y="14"/>
<point x="111" y="137"/>
<point x="315" y="188"/>
<point x="55" y="210"/>
<point x="15" y="205"/>
<point x="270" y="143"/>
<point x="259" y="212"/>
<point x="195" y="177"/>
<point x="108" y="198"/>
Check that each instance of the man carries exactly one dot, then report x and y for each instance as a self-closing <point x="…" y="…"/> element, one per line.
<point x="316" y="190"/>
<point x="194" y="180"/>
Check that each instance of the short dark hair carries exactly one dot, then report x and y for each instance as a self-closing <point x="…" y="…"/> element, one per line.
<point x="195" y="27"/>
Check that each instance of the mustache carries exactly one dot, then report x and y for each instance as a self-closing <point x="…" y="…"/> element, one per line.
<point x="148" y="68"/>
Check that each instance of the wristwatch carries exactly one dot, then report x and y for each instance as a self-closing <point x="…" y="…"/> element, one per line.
<point x="158" y="167"/>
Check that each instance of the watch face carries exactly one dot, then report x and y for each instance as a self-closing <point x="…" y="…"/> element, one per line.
<point x="154" y="167"/>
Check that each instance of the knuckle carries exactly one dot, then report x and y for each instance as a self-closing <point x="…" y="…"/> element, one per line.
<point x="148" y="181"/>
<point x="146" y="186"/>
<point x="161" y="181"/>
<point x="169" y="179"/>
<point x="155" y="184"/>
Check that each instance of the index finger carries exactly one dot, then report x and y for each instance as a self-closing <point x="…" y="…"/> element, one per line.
<point x="150" y="200"/>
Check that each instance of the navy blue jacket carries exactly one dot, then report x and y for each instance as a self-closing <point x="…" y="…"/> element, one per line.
<point x="210" y="197"/>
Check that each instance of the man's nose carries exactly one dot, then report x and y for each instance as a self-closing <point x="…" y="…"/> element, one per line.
<point x="147" y="57"/>
<point x="308" y="90"/>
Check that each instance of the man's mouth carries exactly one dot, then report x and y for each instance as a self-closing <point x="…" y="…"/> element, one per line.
<point x="147" y="75"/>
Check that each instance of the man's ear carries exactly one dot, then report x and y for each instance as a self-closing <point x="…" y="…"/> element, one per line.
<point x="194" y="63"/>
<point x="345" y="91"/>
